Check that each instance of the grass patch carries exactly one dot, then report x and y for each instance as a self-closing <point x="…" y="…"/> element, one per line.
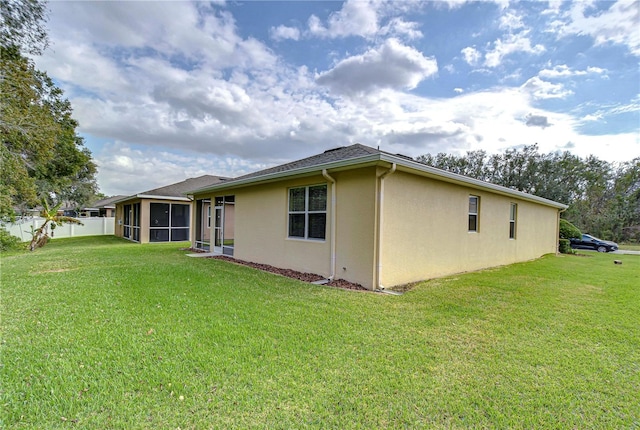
<point x="629" y="246"/>
<point x="102" y="333"/>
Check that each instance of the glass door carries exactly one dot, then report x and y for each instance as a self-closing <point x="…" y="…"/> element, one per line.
<point x="217" y="229"/>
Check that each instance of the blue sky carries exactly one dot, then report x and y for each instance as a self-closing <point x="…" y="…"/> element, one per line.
<point x="169" y="90"/>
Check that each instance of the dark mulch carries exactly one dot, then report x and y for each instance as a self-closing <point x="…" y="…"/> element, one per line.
<point x="302" y="276"/>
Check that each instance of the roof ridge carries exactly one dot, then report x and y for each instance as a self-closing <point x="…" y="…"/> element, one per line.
<point x="333" y="154"/>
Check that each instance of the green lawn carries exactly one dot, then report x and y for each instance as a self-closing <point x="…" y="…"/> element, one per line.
<point x="629" y="246"/>
<point x="101" y="333"/>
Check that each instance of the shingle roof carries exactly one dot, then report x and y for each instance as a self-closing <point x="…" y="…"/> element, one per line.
<point x="357" y="154"/>
<point x="331" y="155"/>
<point x="179" y="189"/>
<point x="109" y="201"/>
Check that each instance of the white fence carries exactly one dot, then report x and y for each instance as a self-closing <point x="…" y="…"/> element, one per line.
<point x="91" y="227"/>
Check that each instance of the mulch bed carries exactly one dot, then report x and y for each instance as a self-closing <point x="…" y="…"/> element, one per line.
<point x="305" y="277"/>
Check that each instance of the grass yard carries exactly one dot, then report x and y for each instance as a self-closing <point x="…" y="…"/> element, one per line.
<point x="101" y="333"/>
<point x="629" y="246"/>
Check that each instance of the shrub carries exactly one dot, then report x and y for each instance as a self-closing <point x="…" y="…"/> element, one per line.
<point x="8" y="241"/>
<point x="568" y="230"/>
<point x="565" y="246"/>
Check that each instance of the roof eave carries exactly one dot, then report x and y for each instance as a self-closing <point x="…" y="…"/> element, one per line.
<point x="270" y="177"/>
<point x="467" y="181"/>
<point x="373" y="159"/>
<point x="158" y="197"/>
<point x="151" y="196"/>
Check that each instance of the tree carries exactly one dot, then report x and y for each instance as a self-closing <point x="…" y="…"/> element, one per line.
<point x="603" y="198"/>
<point x="22" y="25"/>
<point x="51" y="220"/>
<point x="41" y="154"/>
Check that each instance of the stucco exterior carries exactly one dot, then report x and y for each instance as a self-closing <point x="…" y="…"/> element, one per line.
<point x="355" y="225"/>
<point x="145" y="217"/>
<point x="426" y="230"/>
<point x="174" y="224"/>
<point x="389" y="220"/>
<point x="260" y="228"/>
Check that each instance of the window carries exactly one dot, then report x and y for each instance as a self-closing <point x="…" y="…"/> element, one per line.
<point x="209" y="216"/>
<point x="474" y="210"/>
<point x="132" y="222"/>
<point x="168" y="222"/>
<point x="512" y="220"/>
<point x="308" y="212"/>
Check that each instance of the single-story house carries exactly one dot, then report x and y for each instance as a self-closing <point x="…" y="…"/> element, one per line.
<point x="374" y="218"/>
<point x="159" y="215"/>
<point x="101" y="208"/>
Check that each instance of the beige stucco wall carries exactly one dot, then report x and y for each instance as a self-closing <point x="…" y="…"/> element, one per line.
<point x="145" y="214"/>
<point x="355" y="226"/>
<point x="425" y="230"/>
<point x="261" y="217"/>
<point x="260" y="224"/>
<point x="119" y="229"/>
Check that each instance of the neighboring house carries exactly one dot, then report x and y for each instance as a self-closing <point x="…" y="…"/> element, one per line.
<point x="101" y="208"/>
<point x="159" y="215"/>
<point x="374" y="218"/>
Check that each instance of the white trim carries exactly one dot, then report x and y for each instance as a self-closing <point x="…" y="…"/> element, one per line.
<point x="513" y="220"/>
<point x="373" y="159"/>
<point x="307" y="212"/>
<point x="153" y="197"/>
<point x="380" y="219"/>
<point x="476" y="213"/>
<point x="332" y="234"/>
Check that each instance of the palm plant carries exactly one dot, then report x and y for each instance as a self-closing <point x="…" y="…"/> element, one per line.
<point x="51" y="217"/>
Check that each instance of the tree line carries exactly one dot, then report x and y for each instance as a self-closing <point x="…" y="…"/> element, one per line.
<point x="42" y="156"/>
<point x="603" y="197"/>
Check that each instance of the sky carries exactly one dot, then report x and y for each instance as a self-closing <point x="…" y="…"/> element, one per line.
<point x="167" y="90"/>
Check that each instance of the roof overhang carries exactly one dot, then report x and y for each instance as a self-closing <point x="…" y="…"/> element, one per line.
<point x="152" y="197"/>
<point x="381" y="159"/>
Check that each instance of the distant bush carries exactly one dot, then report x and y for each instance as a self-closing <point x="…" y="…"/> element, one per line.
<point x="565" y="246"/>
<point x="8" y="241"/>
<point x="568" y="230"/>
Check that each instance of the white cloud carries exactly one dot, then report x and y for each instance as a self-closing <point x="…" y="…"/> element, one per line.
<point x="195" y="97"/>
<point x="399" y="27"/>
<point x="471" y="55"/>
<point x="368" y="19"/>
<point x="510" y="21"/>
<point x="511" y="44"/>
<point x="617" y="25"/>
<point x="540" y="89"/>
<point x="391" y="65"/>
<point x="356" y="18"/>
<point x="564" y="71"/>
<point x="123" y="169"/>
<point x="283" y="32"/>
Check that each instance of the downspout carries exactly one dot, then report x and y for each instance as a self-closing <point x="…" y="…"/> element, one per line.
<point x="378" y="285"/>
<point x="333" y="223"/>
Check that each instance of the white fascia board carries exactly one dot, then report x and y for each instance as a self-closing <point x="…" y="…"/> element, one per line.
<point x="467" y="181"/>
<point x="293" y="172"/>
<point x="409" y="165"/>
<point x="124" y="199"/>
<point x="153" y="197"/>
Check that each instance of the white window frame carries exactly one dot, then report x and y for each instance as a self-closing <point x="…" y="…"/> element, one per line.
<point x="476" y="214"/>
<point x="306" y="213"/>
<point x="513" y="220"/>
